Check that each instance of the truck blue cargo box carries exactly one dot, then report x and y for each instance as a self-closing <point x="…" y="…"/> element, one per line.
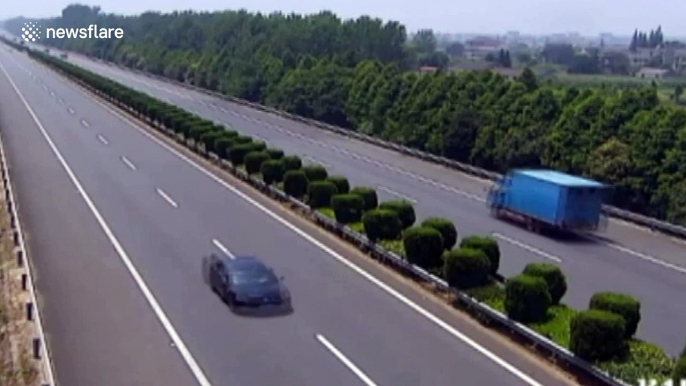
<point x="555" y="198"/>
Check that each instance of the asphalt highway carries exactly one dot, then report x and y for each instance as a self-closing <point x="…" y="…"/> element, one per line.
<point x="118" y="222"/>
<point x="624" y="258"/>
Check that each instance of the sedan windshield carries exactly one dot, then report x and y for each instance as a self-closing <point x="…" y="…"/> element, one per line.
<point x="252" y="276"/>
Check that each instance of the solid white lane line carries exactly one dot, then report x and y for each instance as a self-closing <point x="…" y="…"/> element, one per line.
<point x="157" y="309"/>
<point x="102" y="139"/>
<point x="85" y="123"/>
<point x="527" y="247"/>
<point x="167" y="198"/>
<point x="352" y="266"/>
<point x="222" y="248"/>
<point x="128" y="163"/>
<point x="71" y="111"/>
<point x="644" y="257"/>
<point x="393" y="192"/>
<point x="347" y="362"/>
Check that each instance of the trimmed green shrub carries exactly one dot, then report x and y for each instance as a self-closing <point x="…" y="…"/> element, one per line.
<point x="597" y="335"/>
<point x="553" y="276"/>
<point x="447" y="229"/>
<point x="347" y="208"/>
<point x="295" y="183"/>
<point x="341" y="183"/>
<point x="259" y="146"/>
<point x="381" y="224"/>
<point x="272" y="171"/>
<point x="623" y="305"/>
<point x="423" y="246"/>
<point x="208" y="139"/>
<point x="222" y="147"/>
<point x="466" y="268"/>
<point x="315" y="172"/>
<point x="197" y="131"/>
<point x="319" y="193"/>
<point x="371" y="201"/>
<point x="527" y="298"/>
<point x="253" y="161"/>
<point x="238" y="152"/>
<point x="292" y="162"/>
<point x="275" y="153"/>
<point x="241" y="139"/>
<point x="487" y="244"/>
<point x="679" y="371"/>
<point x="404" y="210"/>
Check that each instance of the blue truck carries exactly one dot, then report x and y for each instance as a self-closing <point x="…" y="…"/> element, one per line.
<point x="548" y="199"/>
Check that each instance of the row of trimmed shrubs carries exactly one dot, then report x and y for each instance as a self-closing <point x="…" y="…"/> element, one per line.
<point x="596" y="334"/>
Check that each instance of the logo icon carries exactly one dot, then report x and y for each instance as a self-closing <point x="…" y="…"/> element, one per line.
<point x="30" y="32"/>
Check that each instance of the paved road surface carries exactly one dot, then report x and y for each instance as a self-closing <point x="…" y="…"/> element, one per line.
<point x="163" y="213"/>
<point x="649" y="266"/>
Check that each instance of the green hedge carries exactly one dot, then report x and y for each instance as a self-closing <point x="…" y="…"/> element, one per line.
<point x="238" y="152"/>
<point x="315" y="172"/>
<point x="404" y="210"/>
<point x="466" y="268"/>
<point x="553" y="276"/>
<point x="222" y="147"/>
<point x="272" y="171"/>
<point x="295" y="183"/>
<point x="275" y="153"/>
<point x="423" y="247"/>
<point x="253" y="161"/>
<point x="623" y="305"/>
<point x="679" y="371"/>
<point x="447" y="229"/>
<point x="371" y="201"/>
<point x="597" y="335"/>
<point x="341" y="183"/>
<point x="347" y="208"/>
<point x="292" y="162"/>
<point x="209" y="138"/>
<point x="319" y="193"/>
<point x="527" y="298"/>
<point x="381" y="224"/>
<point x="488" y="245"/>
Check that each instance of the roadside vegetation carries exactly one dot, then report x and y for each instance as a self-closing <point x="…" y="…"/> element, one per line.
<point x="602" y="334"/>
<point x="361" y="74"/>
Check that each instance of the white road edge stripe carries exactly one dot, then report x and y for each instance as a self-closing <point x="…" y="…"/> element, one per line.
<point x="347" y="362"/>
<point x="393" y="192"/>
<point x="128" y="163"/>
<point x="167" y="198"/>
<point x="102" y="139"/>
<point x="159" y="312"/>
<point x="222" y="248"/>
<point x="385" y="287"/>
<point x="527" y="247"/>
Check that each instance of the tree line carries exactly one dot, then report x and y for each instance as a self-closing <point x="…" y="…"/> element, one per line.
<point x="359" y="74"/>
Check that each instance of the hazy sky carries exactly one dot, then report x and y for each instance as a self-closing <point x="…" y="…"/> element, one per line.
<point x="588" y="17"/>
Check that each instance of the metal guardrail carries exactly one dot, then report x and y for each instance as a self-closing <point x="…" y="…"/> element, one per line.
<point x="538" y="341"/>
<point x="652" y="223"/>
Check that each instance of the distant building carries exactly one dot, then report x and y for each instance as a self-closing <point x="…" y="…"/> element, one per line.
<point x="479" y="47"/>
<point x="651" y="73"/>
